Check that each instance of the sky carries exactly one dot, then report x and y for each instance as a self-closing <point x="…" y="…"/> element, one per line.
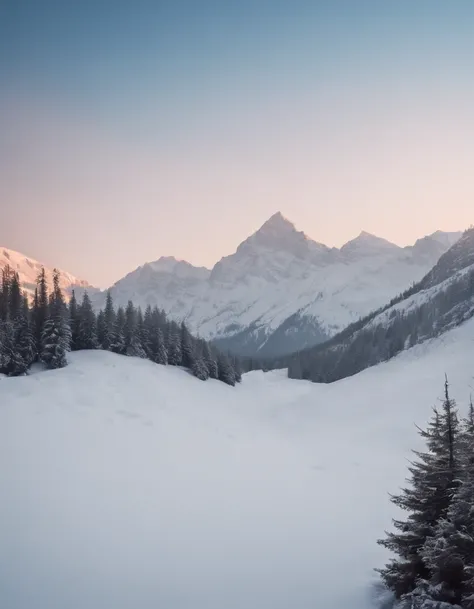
<point x="132" y="130"/>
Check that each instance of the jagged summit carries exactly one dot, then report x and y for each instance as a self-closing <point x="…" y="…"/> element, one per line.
<point x="367" y="244"/>
<point x="180" y="268"/>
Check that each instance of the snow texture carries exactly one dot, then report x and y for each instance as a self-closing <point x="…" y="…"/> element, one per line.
<point x="130" y="485"/>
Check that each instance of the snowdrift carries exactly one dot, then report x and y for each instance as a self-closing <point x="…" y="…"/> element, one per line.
<point x="129" y="485"/>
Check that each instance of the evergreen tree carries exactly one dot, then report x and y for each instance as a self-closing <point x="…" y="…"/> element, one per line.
<point x="110" y="328"/>
<point x="40" y="308"/>
<point x="11" y="361"/>
<point x="101" y="329"/>
<point x="187" y="350"/>
<point x="199" y="369"/>
<point x="5" y="292"/>
<point x="74" y="321"/>
<point x="210" y="361"/>
<point x="116" y="337"/>
<point x="15" y="297"/>
<point x="449" y="553"/>
<point x="87" y="336"/>
<point x="25" y="340"/>
<point x="56" y="334"/>
<point x="135" y="348"/>
<point x="173" y="345"/>
<point x="226" y="373"/>
<point x="146" y="333"/>
<point x="433" y="481"/>
<point x="53" y="351"/>
<point x="157" y="347"/>
<point x="130" y="323"/>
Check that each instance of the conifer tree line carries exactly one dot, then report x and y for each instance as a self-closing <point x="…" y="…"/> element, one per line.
<point x="45" y="330"/>
<point x="433" y="567"/>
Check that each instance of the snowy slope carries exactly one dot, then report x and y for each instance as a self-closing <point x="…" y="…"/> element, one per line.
<point x="28" y="270"/>
<point x="279" y="272"/>
<point x="129" y="485"/>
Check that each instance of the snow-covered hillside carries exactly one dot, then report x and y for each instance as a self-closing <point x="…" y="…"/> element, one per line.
<point x="28" y="270"/>
<point x="279" y="274"/>
<point x="128" y="485"/>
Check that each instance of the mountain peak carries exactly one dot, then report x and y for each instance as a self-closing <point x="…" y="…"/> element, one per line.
<point x="368" y="244"/>
<point x="180" y="268"/>
<point x="277" y="223"/>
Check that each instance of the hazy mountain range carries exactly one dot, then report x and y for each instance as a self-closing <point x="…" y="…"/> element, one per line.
<point x="278" y="292"/>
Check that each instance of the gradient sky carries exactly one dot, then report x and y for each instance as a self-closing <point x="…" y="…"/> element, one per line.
<point x="131" y="130"/>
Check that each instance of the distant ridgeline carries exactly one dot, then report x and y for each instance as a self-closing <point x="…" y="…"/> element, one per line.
<point x="48" y="328"/>
<point x="444" y="298"/>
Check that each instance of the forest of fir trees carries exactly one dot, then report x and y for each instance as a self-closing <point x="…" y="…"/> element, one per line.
<point x="433" y="566"/>
<point x="47" y="328"/>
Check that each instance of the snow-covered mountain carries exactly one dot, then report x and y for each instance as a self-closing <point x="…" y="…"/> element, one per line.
<point x="28" y="270"/>
<point x="443" y="299"/>
<point x="281" y="290"/>
<point x="128" y="485"/>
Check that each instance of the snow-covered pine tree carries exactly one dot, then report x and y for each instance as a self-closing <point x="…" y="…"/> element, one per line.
<point x="116" y="337"/>
<point x="187" y="348"/>
<point x="24" y="335"/>
<point x="157" y="347"/>
<point x="199" y="368"/>
<point x="449" y="553"/>
<point x="433" y="481"/>
<point x="74" y="321"/>
<point x="226" y="372"/>
<point x="15" y="297"/>
<point x="53" y="352"/>
<point x="56" y="335"/>
<point x="5" y="293"/>
<point x="100" y="329"/>
<point x="135" y="348"/>
<point x="87" y="335"/>
<point x="145" y="330"/>
<point x="11" y="361"/>
<point x="109" y="324"/>
<point x="130" y="323"/>
<point x="210" y="361"/>
<point x="40" y="308"/>
<point x="173" y="344"/>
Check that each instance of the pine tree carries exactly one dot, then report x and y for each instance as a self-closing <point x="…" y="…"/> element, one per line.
<point x="226" y="372"/>
<point x="109" y="337"/>
<point x="74" y="321"/>
<point x="11" y="361"/>
<point x="5" y="291"/>
<point x="24" y="338"/>
<point x="449" y="553"/>
<point x="173" y="345"/>
<point x="40" y="308"/>
<point x="87" y="335"/>
<point x="56" y="334"/>
<point x="130" y="323"/>
<point x="433" y="482"/>
<point x="53" y="352"/>
<point x="101" y="329"/>
<point x="187" y="350"/>
<point x="157" y="347"/>
<point x="16" y="298"/>
<point x="116" y="337"/>
<point x="135" y="348"/>
<point x="209" y="361"/>
<point x="199" y="369"/>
